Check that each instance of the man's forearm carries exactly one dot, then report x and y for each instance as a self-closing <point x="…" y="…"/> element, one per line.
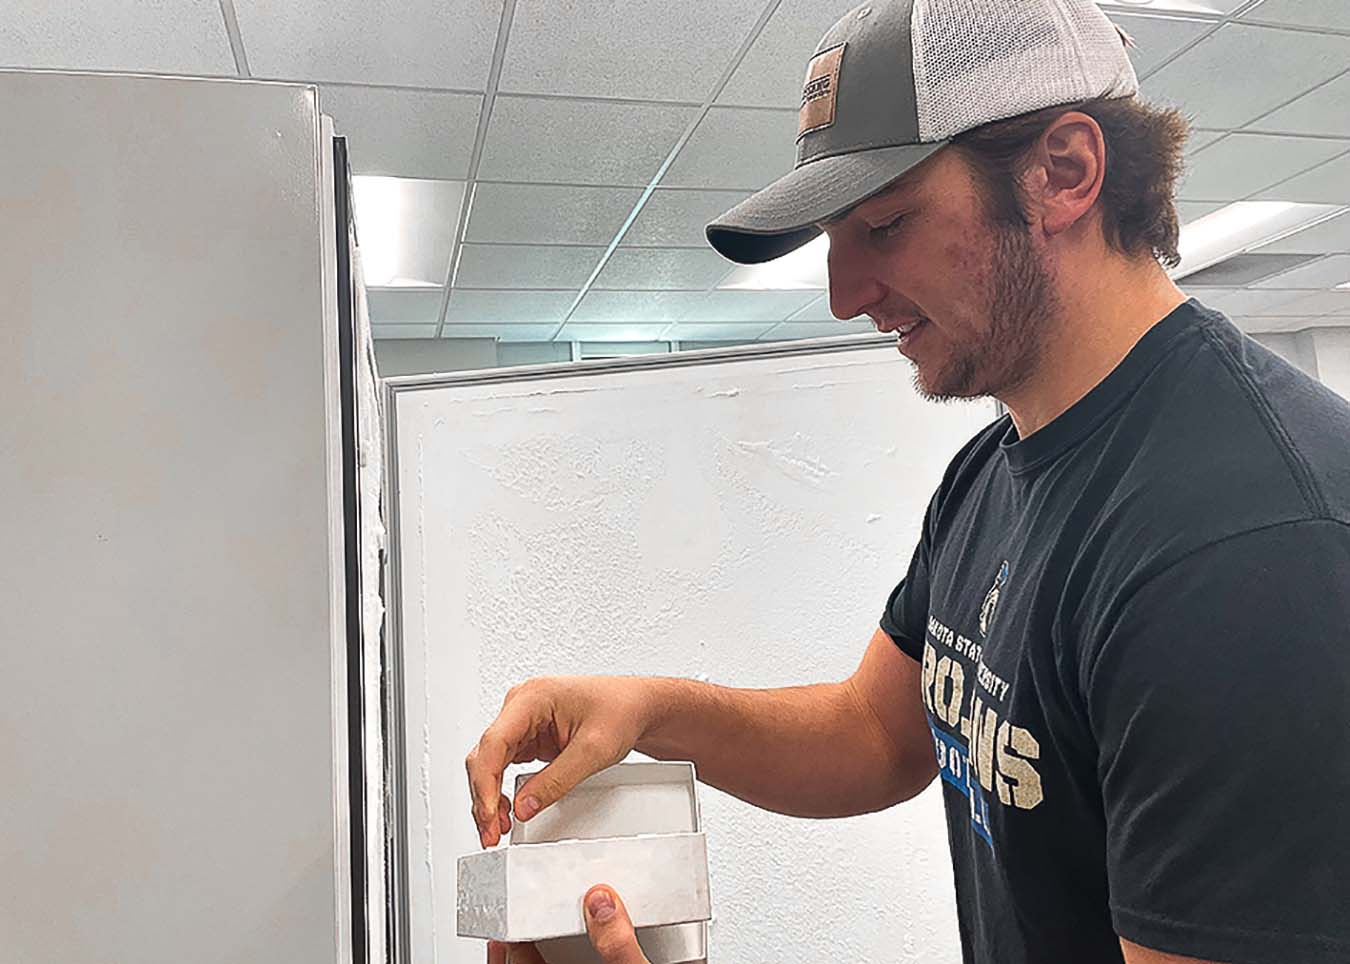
<point x="808" y="751"/>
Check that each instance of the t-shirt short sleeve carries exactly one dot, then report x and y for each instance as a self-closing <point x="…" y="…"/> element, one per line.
<point x="1219" y="698"/>
<point x="905" y="617"/>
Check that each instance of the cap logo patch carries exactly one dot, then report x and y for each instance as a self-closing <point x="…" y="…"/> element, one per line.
<point x="820" y="91"/>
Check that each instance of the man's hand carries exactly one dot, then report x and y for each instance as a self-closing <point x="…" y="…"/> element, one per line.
<point x="581" y="724"/>
<point x="607" y="925"/>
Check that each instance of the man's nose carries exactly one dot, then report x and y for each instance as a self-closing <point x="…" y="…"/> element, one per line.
<point x="853" y="288"/>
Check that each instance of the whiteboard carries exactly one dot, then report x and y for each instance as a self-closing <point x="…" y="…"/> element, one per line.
<point x="739" y="520"/>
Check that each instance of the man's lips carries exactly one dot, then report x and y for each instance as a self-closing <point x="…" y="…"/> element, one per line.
<point x="900" y="325"/>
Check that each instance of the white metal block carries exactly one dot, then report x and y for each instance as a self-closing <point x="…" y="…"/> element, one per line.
<point x="532" y="892"/>
<point x="631" y="798"/>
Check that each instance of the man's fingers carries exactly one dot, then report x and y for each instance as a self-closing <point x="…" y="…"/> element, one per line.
<point x="496" y="952"/>
<point x="504" y="814"/>
<point x="579" y="761"/>
<point x="610" y="929"/>
<point x="487" y="762"/>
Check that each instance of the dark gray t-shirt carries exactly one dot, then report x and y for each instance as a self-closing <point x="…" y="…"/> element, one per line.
<point x="1134" y="627"/>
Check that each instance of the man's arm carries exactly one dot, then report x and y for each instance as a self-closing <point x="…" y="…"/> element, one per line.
<point x="828" y="750"/>
<point x="832" y="749"/>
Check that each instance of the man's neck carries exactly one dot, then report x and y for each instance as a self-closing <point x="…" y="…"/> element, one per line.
<point x="1094" y="328"/>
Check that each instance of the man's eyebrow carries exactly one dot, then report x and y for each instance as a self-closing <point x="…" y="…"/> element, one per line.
<point x="899" y="186"/>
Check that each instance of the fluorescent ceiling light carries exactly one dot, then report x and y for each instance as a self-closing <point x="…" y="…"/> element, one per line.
<point x="1241" y="227"/>
<point x="802" y="270"/>
<point x="404" y="227"/>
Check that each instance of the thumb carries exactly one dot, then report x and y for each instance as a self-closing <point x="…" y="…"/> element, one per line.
<point x="610" y="929"/>
<point x="577" y="762"/>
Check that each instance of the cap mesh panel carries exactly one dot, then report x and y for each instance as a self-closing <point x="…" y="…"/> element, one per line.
<point x="977" y="61"/>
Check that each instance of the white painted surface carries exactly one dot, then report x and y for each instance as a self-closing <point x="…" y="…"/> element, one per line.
<point x="423" y="356"/>
<point x="740" y="522"/>
<point x="532" y="892"/>
<point x="1333" y="357"/>
<point x="1297" y="348"/>
<point x="166" y="683"/>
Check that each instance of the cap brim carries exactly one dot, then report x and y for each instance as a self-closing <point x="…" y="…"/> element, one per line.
<point x="784" y="215"/>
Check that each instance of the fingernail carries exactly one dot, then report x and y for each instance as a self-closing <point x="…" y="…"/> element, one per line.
<point x="601" y="906"/>
<point x="529" y="807"/>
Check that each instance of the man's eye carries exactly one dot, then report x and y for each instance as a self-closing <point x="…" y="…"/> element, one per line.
<point x="887" y="229"/>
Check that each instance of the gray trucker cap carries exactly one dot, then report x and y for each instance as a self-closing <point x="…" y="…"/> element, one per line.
<point x="894" y="80"/>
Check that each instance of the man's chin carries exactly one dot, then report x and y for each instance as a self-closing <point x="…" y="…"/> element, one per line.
<point x="945" y="389"/>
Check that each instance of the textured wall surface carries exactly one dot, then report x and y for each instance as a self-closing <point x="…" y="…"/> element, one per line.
<point x="739" y="522"/>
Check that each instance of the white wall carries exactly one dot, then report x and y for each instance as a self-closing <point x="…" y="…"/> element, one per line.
<point x="1332" y="346"/>
<point x="422" y="356"/>
<point x="1297" y="348"/>
<point x="741" y="523"/>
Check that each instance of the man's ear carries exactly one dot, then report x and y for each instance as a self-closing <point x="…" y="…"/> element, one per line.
<point x="1064" y="178"/>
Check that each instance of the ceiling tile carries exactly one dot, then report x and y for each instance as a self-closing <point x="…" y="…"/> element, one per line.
<point x="1157" y="38"/>
<point x="1303" y="13"/>
<point x="546" y="214"/>
<point x="502" y="332"/>
<point x="1322" y="303"/>
<point x="508" y="307"/>
<point x="624" y="306"/>
<point x="693" y="331"/>
<point x="649" y="49"/>
<point x="413" y="43"/>
<point x="680" y="269"/>
<point x="1263" y="325"/>
<point x="1200" y="139"/>
<point x="818" y="310"/>
<point x="1242" y="270"/>
<point x="747" y="305"/>
<point x="187" y="37"/>
<point x="791" y="330"/>
<point x="674" y="217"/>
<point x="404" y="306"/>
<point x="525" y="266"/>
<point x="629" y="331"/>
<point x="381" y="332"/>
<point x="1246" y="301"/>
<point x="1215" y="84"/>
<point x="1326" y="273"/>
<point x="737" y="147"/>
<point x="1205" y="294"/>
<point x="1189" y="211"/>
<point x="771" y="73"/>
<point x="1328" y="184"/>
<point x="406" y="133"/>
<point x="1329" y="237"/>
<point x="1242" y="164"/>
<point x="579" y="141"/>
<point x="1325" y="110"/>
<point x="406" y="227"/>
<point x="1114" y="7"/>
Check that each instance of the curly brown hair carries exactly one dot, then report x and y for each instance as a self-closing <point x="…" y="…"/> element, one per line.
<point x="1144" y="150"/>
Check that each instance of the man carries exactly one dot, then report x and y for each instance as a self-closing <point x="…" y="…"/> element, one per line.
<point x="1126" y="628"/>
